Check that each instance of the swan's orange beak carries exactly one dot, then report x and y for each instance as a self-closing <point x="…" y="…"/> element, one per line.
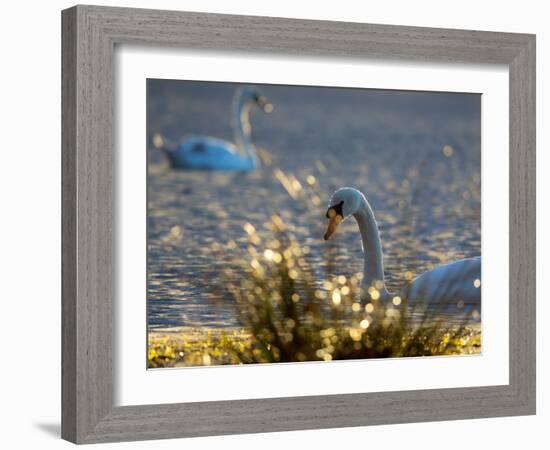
<point x="333" y="221"/>
<point x="264" y="104"/>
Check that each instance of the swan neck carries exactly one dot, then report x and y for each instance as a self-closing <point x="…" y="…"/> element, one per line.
<point x="373" y="265"/>
<point x="243" y="129"/>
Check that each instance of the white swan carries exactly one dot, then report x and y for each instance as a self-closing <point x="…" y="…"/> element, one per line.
<point x="209" y="153"/>
<point x="450" y="284"/>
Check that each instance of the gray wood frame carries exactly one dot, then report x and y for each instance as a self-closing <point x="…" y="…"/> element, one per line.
<point x="90" y="34"/>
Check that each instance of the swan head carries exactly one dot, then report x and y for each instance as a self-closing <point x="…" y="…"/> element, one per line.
<point x="342" y="204"/>
<point x="255" y="96"/>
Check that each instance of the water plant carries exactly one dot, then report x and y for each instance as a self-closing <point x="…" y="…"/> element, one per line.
<point x="292" y="317"/>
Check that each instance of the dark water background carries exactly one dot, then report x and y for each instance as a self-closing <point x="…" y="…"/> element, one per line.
<point x="416" y="156"/>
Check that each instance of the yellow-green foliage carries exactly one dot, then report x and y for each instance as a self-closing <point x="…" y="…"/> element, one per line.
<point x="196" y="347"/>
<point x="291" y="317"/>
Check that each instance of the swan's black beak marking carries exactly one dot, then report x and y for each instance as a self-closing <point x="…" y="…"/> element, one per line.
<point x="337" y="210"/>
<point x="335" y="217"/>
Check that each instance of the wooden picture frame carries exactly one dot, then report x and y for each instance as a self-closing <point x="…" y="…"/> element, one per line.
<point x="90" y="34"/>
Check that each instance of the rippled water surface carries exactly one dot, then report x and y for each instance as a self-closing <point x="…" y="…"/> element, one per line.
<point x="415" y="155"/>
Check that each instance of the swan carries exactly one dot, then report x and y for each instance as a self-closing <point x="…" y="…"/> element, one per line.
<point x="447" y="285"/>
<point x="210" y="153"/>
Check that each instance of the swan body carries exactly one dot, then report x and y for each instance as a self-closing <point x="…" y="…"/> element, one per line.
<point x="210" y="153"/>
<point x="455" y="282"/>
<point x="449" y="284"/>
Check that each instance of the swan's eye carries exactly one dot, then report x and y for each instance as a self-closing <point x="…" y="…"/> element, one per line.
<point x="335" y="210"/>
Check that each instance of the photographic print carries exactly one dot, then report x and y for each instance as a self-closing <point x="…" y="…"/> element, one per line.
<point x="311" y="224"/>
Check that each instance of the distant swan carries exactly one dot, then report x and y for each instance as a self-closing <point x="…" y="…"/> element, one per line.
<point x="209" y="153"/>
<point x="448" y="284"/>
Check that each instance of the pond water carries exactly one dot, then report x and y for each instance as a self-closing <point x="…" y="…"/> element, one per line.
<point x="415" y="155"/>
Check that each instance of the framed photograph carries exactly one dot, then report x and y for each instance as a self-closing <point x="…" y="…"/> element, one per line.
<point x="277" y="224"/>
